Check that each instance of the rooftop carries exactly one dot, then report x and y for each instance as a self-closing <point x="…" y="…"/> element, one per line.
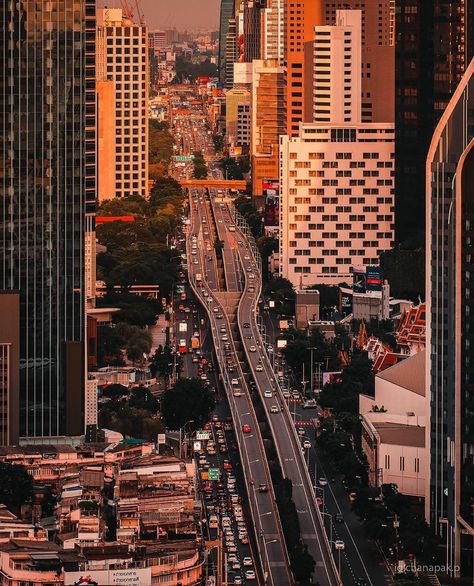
<point x="408" y="374"/>
<point x="398" y="434"/>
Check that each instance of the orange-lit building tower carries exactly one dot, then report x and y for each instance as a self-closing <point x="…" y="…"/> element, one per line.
<point x="301" y="18"/>
<point x="267" y="121"/>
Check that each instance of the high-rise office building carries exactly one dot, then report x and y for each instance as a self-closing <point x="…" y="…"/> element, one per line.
<point x="336" y="177"/>
<point x="233" y="99"/>
<point x="267" y="121"/>
<point x="226" y="12"/>
<point x="377" y="56"/>
<point x="434" y="44"/>
<point x="301" y="18"/>
<point x="122" y="59"/>
<point x="273" y="31"/>
<point x="47" y="201"/>
<point x="231" y="53"/>
<point x="450" y="327"/>
<point x="252" y="29"/>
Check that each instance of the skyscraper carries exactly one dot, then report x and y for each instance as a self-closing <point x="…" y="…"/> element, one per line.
<point x="273" y="31"/>
<point x="122" y="58"/>
<point x="434" y="44"/>
<point x="450" y="327"/>
<point x="47" y="198"/>
<point x="231" y="53"/>
<point x="227" y="12"/>
<point x="252" y="22"/>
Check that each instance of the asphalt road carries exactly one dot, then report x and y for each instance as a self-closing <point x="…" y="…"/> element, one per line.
<point x="286" y="441"/>
<point x="262" y="504"/>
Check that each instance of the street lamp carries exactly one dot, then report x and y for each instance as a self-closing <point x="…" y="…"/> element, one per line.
<point x="180" y="435"/>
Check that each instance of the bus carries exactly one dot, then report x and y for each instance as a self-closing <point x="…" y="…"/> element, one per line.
<point x="182" y="346"/>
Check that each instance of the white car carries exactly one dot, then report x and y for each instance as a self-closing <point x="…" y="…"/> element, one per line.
<point x="252" y="349"/>
<point x="268" y="394"/>
<point x="259" y="367"/>
<point x="274" y="409"/>
<point x="247" y="561"/>
<point x="307" y="444"/>
<point x="250" y="575"/>
<point x="322" y="481"/>
<point x="234" y="382"/>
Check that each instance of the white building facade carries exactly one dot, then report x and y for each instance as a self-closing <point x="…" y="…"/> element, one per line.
<point x="122" y="57"/>
<point x="336" y="177"/>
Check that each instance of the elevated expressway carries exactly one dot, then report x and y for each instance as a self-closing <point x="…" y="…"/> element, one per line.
<point x="286" y="440"/>
<point x="266" y="520"/>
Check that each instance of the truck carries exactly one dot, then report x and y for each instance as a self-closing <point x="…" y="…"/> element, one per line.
<point x="182" y="346"/>
<point x="195" y="343"/>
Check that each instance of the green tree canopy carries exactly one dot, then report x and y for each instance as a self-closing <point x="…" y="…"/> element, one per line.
<point x="16" y="486"/>
<point x="189" y="399"/>
<point x="200" y="168"/>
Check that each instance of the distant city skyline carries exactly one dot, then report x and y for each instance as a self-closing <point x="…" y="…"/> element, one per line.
<point x="182" y="14"/>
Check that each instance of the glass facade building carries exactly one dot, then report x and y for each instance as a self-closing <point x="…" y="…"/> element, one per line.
<point x="450" y="328"/>
<point x="227" y="12"/>
<point x="47" y="198"/>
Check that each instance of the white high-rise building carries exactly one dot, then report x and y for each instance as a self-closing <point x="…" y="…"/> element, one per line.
<point x="337" y="72"/>
<point x="273" y="31"/>
<point x="336" y="177"/>
<point x="122" y="59"/>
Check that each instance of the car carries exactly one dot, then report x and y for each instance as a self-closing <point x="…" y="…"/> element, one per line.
<point x="246" y="325"/>
<point x="269" y="348"/>
<point x="247" y="561"/>
<point x="215" y="310"/>
<point x="238" y="580"/>
<point x="252" y="349"/>
<point x="263" y="488"/>
<point x="322" y="481"/>
<point x="195" y="359"/>
<point x="237" y="393"/>
<point x="251" y="276"/>
<point x="231" y="558"/>
<point x="310" y="404"/>
<point x="274" y="409"/>
<point x="250" y="575"/>
<point x="218" y="315"/>
<point x="223" y="329"/>
<point x="268" y="394"/>
<point x="236" y="566"/>
<point x="307" y="445"/>
<point x="259" y="367"/>
<point x="352" y="496"/>
<point x="234" y="382"/>
<point x="339" y="518"/>
<point x="247" y="257"/>
<point x="246" y="428"/>
<point x="319" y="501"/>
<point x="224" y="338"/>
<point x="339" y="544"/>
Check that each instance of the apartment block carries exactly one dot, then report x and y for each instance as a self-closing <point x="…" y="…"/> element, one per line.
<point x="122" y="58"/>
<point x="273" y="31"/>
<point x="336" y="187"/>
<point x="236" y="99"/>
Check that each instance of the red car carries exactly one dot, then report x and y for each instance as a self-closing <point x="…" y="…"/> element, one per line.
<point x="227" y="465"/>
<point x="319" y="501"/>
<point x="246" y="428"/>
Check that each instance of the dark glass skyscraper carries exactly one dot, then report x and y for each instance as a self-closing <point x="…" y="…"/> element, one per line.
<point x="227" y="12"/>
<point x="450" y="328"/>
<point x="47" y="197"/>
<point x="434" y="44"/>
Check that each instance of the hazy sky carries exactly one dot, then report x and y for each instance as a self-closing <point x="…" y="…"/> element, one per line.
<point x="182" y="14"/>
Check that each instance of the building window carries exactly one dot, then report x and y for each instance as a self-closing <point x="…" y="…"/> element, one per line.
<point x="402" y="463"/>
<point x="387" y="462"/>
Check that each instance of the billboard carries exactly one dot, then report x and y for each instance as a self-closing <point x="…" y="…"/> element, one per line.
<point x="373" y="278"/>
<point x="271" y="194"/>
<point x="129" y="576"/>
<point x="359" y="280"/>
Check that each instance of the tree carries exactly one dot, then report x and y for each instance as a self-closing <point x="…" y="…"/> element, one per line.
<point x="163" y="361"/>
<point x="16" y="486"/>
<point x="137" y="341"/>
<point x="141" y="398"/>
<point x="160" y="143"/>
<point x="109" y="347"/>
<point x="200" y="167"/>
<point x="115" y="391"/>
<point x="189" y="399"/>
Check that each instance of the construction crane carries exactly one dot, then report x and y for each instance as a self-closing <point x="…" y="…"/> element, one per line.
<point x="128" y="11"/>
